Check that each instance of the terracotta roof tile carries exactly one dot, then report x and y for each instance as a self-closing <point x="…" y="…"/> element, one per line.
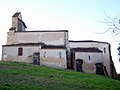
<point x="16" y="14"/>
<point x="86" y="49"/>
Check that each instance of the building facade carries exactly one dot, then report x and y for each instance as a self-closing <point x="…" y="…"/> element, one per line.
<point x="93" y="53"/>
<point x="53" y="48"/>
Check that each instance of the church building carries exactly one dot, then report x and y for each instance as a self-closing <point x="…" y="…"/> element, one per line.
<point x="53" y="48"/>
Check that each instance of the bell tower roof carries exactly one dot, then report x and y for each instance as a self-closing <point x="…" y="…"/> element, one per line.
<point x="18" y="15"/>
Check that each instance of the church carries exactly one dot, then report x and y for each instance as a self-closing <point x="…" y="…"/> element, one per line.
<point x="53" y="48"/>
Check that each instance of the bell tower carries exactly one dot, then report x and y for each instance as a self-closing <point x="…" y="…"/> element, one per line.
<point x="17" y="23"/>
<point x="17" y="26"/>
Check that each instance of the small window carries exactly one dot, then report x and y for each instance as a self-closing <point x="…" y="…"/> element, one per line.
<point x="20" y="51"/>
<point x="104" y="50"/>
<point x="44" y="54"/>
<point x="89" y="57"/>
<point x="60" y="54"/>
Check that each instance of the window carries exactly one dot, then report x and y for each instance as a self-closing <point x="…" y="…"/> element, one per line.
<point x="104" y="50"/>
<point x="20" y="51"/>
<point x="60" y="54"/>
<point x="89" y="57"/>
<point x="44" y="54"/>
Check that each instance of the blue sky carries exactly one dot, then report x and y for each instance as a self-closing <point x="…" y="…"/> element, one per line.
<point x="81" y="17"/>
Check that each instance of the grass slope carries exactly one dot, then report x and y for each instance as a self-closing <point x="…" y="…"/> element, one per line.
<point x="21" y="76"/>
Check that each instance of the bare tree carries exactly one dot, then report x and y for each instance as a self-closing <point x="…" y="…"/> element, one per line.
<point x="113" y="27"/>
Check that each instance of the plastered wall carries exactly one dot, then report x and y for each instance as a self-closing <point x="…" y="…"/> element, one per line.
<point x="89" y="60"/>
<point x="53" y="58"/>
<point x="10" y="53"/>
<point x="49" y="38"/>
<point x="101" y="46"/>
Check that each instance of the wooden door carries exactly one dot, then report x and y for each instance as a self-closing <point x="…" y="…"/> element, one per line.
<point x="36" y="58"/>
<point x="99" y="68"/>
<point x="79" y="63"/>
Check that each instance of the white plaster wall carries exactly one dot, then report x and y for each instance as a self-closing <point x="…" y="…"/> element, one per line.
<point x="51" y="57"/>
<point x="101" y="46"/>
<point x="95" y="57"/>
<point x="10" y="53"/>
<point x="89" y="65"/>
<point x="49" y="38"/>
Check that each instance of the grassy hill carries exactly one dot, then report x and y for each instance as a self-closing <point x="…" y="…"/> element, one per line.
<point x="21" y="76"/>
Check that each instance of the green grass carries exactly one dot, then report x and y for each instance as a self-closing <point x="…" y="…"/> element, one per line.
<point x="21" y="76"/>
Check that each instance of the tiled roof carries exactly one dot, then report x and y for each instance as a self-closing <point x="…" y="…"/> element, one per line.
<point x="43" y="46"/>
<point x="25" y="44"/>
<point x="86" y="49"/>
<point x="12" y="28"/>
<point x="46" y="31"/>
<point x="16" y="14"/>
<point x="87" y="41"/>
<point x="22" y="22"/>
<point x="53" y="47"/>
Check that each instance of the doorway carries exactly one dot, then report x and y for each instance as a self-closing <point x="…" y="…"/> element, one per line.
<point x="99" y="68"/>
<point x="36" y="58"/>
<point x="79" y="63"/>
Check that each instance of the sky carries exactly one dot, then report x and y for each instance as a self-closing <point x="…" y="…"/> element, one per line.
<point x="82" y="18"/>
